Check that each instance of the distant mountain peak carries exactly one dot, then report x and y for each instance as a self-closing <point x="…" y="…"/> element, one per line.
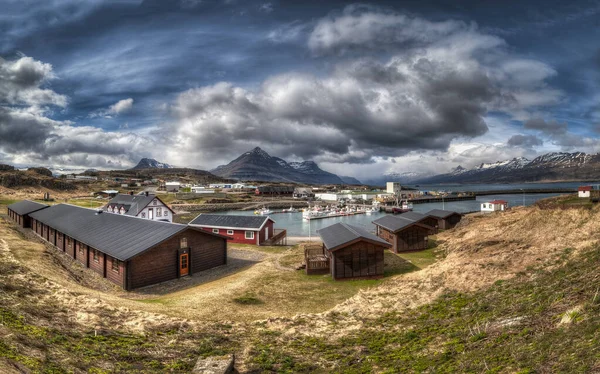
<point x="150" y="163"/>
<point x="258" y="165"/>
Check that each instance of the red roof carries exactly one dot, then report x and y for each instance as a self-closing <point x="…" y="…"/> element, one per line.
<point x="498" y="202"/>
<point x="585" y="188"/>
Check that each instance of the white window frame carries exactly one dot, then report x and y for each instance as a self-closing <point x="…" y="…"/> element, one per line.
<point x="215" y="231"/>
<point x="251" y="236"/>
<point x="229" y="232"/>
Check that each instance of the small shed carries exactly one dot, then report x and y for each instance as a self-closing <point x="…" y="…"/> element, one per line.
<point x="353" y="252"/>
<point x="19" y="212"/>
<point x="494" y="206"/>
<point x="447" y="219"/>
<point x="172" y="186"/>
<point x="404" y="234"/>
<point x="584" y="191"/>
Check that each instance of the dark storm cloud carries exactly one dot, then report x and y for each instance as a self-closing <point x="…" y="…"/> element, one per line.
<point x="291" y="77"/>
<point x="418" y="99"/>
<point x="547" y="127"/>
<point x="525" y="141"/>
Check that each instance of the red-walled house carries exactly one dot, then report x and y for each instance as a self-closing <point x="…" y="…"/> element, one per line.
<point x="238" y="229"/>
<point x="129" y="251"/>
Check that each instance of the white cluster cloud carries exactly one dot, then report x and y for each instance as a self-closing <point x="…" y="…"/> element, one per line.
<point x="120" y="107"/>
<point x="22" y="81"/>
<point x="28" y="135"/>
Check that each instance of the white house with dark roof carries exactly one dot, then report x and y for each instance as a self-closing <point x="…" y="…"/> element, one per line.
<point x="145" y="206"/>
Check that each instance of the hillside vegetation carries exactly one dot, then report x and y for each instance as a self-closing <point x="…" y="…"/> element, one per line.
<point x="514" y="292"/>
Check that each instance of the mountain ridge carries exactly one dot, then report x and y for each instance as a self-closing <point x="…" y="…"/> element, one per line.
<point x="553" y="166"/>
<point x="258" y="165"/>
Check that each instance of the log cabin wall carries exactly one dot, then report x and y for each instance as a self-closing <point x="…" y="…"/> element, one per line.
<point x="361" y="260"/>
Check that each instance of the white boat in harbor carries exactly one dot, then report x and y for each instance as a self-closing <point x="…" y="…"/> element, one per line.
<point x="291" y="210"/>
<point x="263" y="212"/>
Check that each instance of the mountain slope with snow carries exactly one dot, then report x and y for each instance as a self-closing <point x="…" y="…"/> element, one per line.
<point x="555" y="166"/>
<point x="258" y="165"/>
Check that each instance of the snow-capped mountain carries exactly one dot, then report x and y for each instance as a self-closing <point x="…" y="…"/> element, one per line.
<point x="258" y="165"/>
<point x="553" y="166"/>
<point x="392" y="176"/>
<point x="149" y="163"/>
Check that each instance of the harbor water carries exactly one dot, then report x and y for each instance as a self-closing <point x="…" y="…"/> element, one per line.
<point x="296" y="226"/>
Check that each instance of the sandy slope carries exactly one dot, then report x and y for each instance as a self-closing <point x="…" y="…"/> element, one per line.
<point x="482" y="250"/>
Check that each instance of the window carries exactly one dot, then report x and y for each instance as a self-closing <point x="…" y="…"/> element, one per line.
<point x="215" y="231"/>
<point x="80" y="248"/>
<point x="143" y="214"/>
<point x="249" y="234"/>
<point x="229" y="232"/>
<point x="158" y="212"/>
<point x="183" y="243"/>
<point x="166" y="213"/>
<point x="115" y="265"/>
<point x="96" y="256"/>
<point x="154" y="202"/>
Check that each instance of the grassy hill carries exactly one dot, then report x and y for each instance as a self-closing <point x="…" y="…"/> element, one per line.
<point x="514" y="292"/>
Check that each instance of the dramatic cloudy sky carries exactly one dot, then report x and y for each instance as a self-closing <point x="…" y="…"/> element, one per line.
<point x="361" y="88"/>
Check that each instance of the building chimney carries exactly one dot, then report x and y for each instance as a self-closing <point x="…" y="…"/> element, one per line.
<point x="146" y="193"/>
<point x="131" y="193"/>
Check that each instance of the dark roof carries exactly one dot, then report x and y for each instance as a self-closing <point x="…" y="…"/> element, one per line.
<point x="339" y="234"/>
<point x="415" y="216"/>
<point x="119" y="236"/>
<point x="395" y="223"/>
<point x="133" y="204"/>
<point x="438" y="213"/>
<point x="276" y="189"/>
<point x="498" y="202"/>
<point x="230" y="221"/>
<point x="26" y="207"/>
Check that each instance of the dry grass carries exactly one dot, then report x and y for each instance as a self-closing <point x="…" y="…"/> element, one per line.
<point x="482" y="251"/>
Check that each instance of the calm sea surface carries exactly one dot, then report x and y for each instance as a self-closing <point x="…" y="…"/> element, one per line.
<point x="296" y="226"/>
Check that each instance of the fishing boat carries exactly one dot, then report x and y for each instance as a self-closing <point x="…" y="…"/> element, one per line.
<point x="404" y="207"/>
<point x="291" y="210"/>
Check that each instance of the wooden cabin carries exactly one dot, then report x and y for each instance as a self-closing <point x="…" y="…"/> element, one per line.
<point x="129" y="251"/>
<point x="19" y="212"/>
<point x="447" y="219"/>
<point x="422" y="218"/>
<point x="353" y="252"/>
<point x="256" y="230"/>
<point x="402" y="233"/>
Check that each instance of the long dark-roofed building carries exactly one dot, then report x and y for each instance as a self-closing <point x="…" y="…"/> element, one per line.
<point x="353" y="252"/>
<point x="403" y="233"/>
<point x="130" y="251"/>
<point x="240" y="229"/>
<point x="19" y="212"/>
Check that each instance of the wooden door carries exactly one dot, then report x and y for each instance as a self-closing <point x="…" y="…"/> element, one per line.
<point x="184" y="264"/>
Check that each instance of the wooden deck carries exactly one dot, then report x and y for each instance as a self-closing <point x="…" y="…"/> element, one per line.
<point x="279" y="238"/>
<point x="316" y="260"/>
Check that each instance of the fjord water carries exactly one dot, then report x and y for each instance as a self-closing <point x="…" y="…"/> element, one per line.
<point x="296" y="226"/>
